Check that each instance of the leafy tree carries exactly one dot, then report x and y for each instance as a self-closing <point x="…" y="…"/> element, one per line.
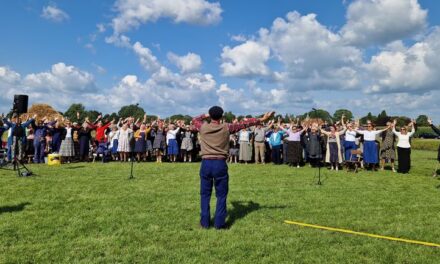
<point x="185" y="118"/>
<point x="92" y="115"/>
<point x="370" y="117"/>
<point x="229" y="116"/>
<point x="382" y="119"/>
<point x="338" y="114"/>
<point x="132" y="110"/>
<point x="422" y="120"/>
<point x="320" y="113"/>
<point x="402" y="120"/>
<point x="73" y="109"/>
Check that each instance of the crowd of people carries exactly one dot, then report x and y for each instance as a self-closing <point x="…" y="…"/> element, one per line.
<point x="295" y="143"/>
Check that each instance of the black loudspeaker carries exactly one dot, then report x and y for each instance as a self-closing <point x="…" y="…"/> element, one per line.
<point x="20" y="103"/>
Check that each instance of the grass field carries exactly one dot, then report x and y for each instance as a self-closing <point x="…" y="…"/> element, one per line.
<point x="91" y="213"/>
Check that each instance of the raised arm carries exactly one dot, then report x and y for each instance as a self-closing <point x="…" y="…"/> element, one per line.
<point x="436" y="130"/>
<point x="249" y="122"/>
<point x="198" y="121"/>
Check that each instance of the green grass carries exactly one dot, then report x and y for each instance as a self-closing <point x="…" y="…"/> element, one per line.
<point x="425" y="144"/>
<point x="91" y="213"/>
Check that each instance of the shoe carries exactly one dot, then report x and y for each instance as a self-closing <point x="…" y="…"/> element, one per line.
<point x="394" y="170"/>
<point x="223" y="227"/>
<point x="297" y="166"/>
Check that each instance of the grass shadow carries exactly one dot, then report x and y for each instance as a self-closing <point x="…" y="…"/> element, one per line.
<point x="240" y="209"/>
<point x="14" y="208"/>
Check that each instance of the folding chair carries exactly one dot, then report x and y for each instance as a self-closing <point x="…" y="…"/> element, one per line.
<point x="355" y="161"/>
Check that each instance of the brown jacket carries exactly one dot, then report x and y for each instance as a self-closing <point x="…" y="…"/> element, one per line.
<point x="214" y="136"/>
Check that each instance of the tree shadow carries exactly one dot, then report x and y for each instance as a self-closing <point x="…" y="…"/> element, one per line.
<point x="241" y="209"/>
<point x="14" y="208"/>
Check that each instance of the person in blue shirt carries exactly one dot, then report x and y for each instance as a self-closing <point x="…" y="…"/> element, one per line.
<point x="276" y="143"/>
<point x="40" y="133"/>
<point x="17" y="138"/>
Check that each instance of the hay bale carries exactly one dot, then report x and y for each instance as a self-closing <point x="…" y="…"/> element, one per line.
<point x="42" y="110"/>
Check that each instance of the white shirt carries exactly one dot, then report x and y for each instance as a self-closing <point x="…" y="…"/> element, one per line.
<point x="350" y="136"/>
<point x="68" y="132"/>
<point x="171" y="134"/>
<point x="403" y="139"/>
<point x="244" y="136"/>
<point x="370" y="135"/>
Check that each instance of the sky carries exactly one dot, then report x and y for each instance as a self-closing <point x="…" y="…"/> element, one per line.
<point x="183" y="56"/>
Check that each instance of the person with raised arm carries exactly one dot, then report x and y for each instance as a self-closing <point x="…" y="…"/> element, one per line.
<point x="387" y="148"/>
<point x="171" y="139"/>
<point x="214" y="142"/>
<point x="404" y="146"/>
<point x="294" y="148"/>
<point x="17" y="137"/>
<point x="370" y="148"/>
<point x="350" y="140"/>
<point x="333" y="154"/>
<point x="437" y="131"/>
<point x="259" y="142"/>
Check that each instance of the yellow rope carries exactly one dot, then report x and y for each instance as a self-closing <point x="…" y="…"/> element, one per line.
<point x="363" y="234"/>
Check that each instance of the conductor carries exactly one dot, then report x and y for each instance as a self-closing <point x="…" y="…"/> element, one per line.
<point x="214" y="142"/>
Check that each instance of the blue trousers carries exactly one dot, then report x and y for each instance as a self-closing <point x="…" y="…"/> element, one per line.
<point x="213" y="172"/>
<point x="349" y="146"/>
<point x="276" y="154"/>
<point x="39" y="147"/>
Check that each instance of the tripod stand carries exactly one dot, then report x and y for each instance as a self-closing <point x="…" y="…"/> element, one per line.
<point x="131" y="165"/>
<point x="18" y="165"/>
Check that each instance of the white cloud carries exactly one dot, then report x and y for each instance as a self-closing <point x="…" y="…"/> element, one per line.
<point x="307" y="54"/>
<point x="100" y="27"/>
<point x="253" y="99"/>
<point x="146" y="57"/>
<point x="61" y="86"/>
<point x="238" y="38"/>
<point x="133" y="13"/>
<point x="247" y="59"/>
<point x="190" y="62"/>
<point x="53" y="13"/>
<point x="381" y="21"/>
<point x="400" y="69"/>
<point x="62" y="78"/>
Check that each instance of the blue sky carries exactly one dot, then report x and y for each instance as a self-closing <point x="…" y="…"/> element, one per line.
<point x="248" y="56"/>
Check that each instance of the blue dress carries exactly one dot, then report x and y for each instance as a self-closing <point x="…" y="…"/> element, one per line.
<point x="141" y="144"/>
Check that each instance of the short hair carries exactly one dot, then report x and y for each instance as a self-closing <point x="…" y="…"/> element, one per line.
<point x="216" y="112"/>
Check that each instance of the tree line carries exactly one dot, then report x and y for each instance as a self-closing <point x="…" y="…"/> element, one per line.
<point x="136" y="111"/>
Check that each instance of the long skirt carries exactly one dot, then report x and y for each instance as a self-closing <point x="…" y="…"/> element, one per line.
<point x="294" y="152"/>
<point x="404" y="156"/>
<point x="140" y="146"/>
<point x="84" y="146"/>
<point x="56" y="142"/>
<point x="334" y="153"/>
<point x="115" y="146"/>
<point x="187" y="144"/>
<point x="370" y="152"/>
<point x="245" y="151"/>
<point x="149" y="146"/>
<point x="349" y="146"/>
<point x="173" y="147"/>
<point x="67" y="148"/>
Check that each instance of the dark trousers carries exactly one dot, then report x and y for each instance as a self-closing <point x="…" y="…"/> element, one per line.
<point x="39" y="147"/>
<point x="213" y="172"/>
<point x="276" y="154"/>
<point x="404" y="156"/>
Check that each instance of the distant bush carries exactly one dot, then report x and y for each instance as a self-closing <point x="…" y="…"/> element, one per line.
<point x="425" y="144"/>
<point x="425" y="132"/>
